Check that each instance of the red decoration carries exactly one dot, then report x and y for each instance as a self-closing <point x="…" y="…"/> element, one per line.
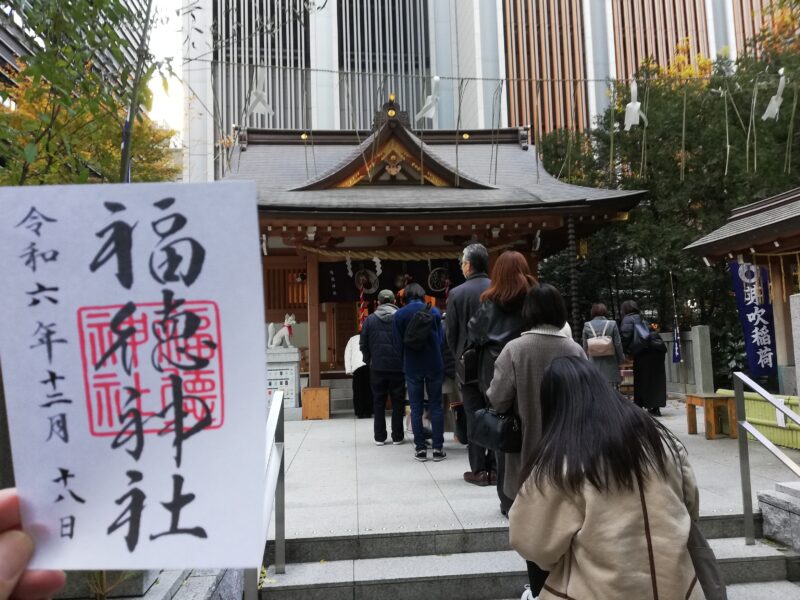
<point x="363" y="310"/>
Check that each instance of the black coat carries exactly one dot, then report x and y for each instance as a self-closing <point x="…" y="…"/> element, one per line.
<point x="376" y="341"/>
<point x="462" y="303"/>
<point x="489" y="330"/>
<point x="649" y="372"/>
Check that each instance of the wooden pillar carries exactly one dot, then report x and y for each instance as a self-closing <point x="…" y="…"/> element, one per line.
<point x="533" y="264"/>
<point x="782" y="318"/>
<point x="312" y="270"/>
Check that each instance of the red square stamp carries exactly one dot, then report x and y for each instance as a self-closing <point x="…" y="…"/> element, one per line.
<point x="138" y="354"/>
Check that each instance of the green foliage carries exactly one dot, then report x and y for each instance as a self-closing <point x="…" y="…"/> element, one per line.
<point x="692" y="183"/>
<point x="70" y="96"/>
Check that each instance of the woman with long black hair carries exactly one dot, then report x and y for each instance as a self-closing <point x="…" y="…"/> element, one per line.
<point x="609" y="497"/>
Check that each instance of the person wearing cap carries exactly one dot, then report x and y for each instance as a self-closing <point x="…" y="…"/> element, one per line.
<point x="386" y="368"/>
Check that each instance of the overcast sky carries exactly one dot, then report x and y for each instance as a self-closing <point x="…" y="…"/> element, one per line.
<point x="165" y="41"/>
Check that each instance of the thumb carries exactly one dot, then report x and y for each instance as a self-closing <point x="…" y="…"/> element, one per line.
<point x="16" y="549"/>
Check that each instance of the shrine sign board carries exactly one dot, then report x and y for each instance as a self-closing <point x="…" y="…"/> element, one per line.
<point x="134" y="386"/>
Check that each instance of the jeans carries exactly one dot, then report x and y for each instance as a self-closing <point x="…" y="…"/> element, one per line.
<point x="393" y="384"/>
<point x="417" y="385"/>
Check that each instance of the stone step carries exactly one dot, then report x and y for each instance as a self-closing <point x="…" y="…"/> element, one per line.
<point x="483" y="575"/>
<point x="771" y="590"/>
<point x="342" y="405"/>
<point x="345" y="382"/>
<point x="451" y="541"/>
<point x="342" y="393"/>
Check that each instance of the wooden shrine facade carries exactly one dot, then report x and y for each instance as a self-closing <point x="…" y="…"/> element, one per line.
<point x="342" y="211"/>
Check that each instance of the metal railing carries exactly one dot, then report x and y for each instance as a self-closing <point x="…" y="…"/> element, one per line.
<point x="739" y="381"/>
<point x="275" y="496"/>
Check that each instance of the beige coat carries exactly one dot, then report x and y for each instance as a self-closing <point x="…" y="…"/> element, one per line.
<point x="595" y="546"/>
<point x="518" y="374"/>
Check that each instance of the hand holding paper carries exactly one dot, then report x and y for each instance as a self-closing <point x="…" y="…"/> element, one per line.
<point x="16" y="549"/>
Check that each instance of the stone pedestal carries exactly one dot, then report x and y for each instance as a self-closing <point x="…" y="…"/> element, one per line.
<point x="780" y="512"/>
<point x="283" y="373"/>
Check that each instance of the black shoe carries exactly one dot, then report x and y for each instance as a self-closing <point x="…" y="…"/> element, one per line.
<point x="421" y="455"/>
<point x="656" y="412"/>
<point x="439" y="454"/>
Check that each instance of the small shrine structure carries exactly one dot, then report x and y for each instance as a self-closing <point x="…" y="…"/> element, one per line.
<point x="344" y="214"/>
<point x="765" y="234"/>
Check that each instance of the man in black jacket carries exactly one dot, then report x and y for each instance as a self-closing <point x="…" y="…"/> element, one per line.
<point x="462" y="303"/>
<point x="386" y="368"/>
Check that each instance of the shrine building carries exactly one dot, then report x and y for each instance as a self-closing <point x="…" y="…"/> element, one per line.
<point x="344" y="214"/>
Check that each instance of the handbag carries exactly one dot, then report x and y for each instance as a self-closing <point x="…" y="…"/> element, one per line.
<point x="496" y="431"/>
<point x="646" y="340"/>
<point x="468" y="366"/>
<point x="600" y="345"/>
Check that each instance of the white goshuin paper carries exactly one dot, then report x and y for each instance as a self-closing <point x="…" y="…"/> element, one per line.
<point x="223" y="467"/>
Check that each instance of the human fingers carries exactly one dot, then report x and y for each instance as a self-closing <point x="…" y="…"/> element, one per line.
<point x="16" y="549"/>
<point x="39" y="584"/>
<point x="9" y="509"/>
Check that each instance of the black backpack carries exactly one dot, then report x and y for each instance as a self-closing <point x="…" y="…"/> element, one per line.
<point x="419" y="330"/>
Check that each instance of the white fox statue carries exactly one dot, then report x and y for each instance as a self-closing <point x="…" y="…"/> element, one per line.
<point x="281" y="336"/>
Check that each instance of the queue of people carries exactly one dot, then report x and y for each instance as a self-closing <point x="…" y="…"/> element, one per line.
<point x="601" y="496"/>
<point x="586" y="449"/>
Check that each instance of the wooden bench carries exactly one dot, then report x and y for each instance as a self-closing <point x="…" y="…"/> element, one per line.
<point x="710" y="403"/>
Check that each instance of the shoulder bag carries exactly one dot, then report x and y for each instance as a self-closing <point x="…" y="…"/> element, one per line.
<point x="496" y="431"/>
<point x="645" y="340"/>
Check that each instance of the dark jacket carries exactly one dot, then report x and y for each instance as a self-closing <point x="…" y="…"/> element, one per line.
<point x="462" y="303"/>
<point x="489" y="330"/>
<point x="649" y="371"/>
<point x="448" y="359"/>
<point x="419" y="362"/>
<point x="377" y="344"/>
<point x="626" y="330"/>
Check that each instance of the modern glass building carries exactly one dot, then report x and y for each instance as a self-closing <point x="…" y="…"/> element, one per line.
<point x="329" y="64"/>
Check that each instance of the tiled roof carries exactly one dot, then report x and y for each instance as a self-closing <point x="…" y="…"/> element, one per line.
<point x="754" y="223"/>
<point x="519" y="183"/>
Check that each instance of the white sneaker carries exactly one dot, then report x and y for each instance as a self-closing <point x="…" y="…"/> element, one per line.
<point x="527" y="594"/>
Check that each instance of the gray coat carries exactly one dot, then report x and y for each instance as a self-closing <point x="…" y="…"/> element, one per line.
<point x="607" y="365"/>
<point x="518" y="374"/>
<point x="463" y="302"/>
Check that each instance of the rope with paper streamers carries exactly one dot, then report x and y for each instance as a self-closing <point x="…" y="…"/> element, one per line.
<point x="787" y="160"/>
<point x="390" y="254"/>
<point x="776" y="82"/>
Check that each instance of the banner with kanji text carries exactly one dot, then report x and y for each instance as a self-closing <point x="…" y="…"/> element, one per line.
<point x="751" y="286"/>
